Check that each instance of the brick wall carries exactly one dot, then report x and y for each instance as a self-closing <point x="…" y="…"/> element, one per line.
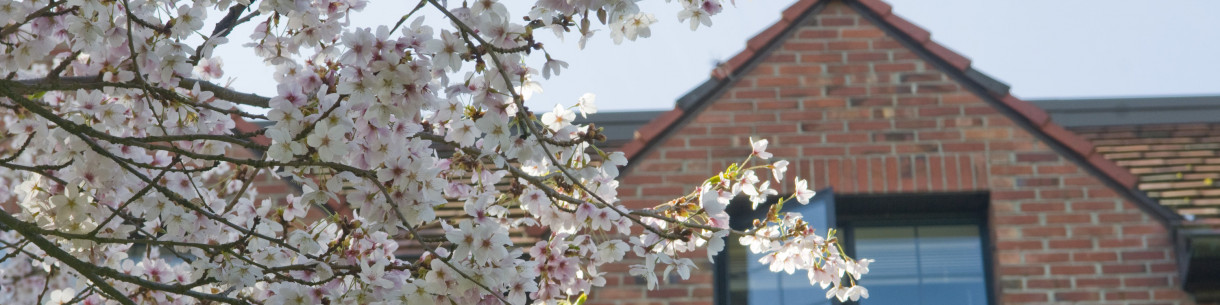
<point x="852" y="108"/>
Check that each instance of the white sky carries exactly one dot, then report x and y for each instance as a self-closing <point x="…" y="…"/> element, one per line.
<point x="1042" y="48"/>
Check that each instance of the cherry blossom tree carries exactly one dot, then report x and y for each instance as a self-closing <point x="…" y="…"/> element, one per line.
<point x="119" y="182"/>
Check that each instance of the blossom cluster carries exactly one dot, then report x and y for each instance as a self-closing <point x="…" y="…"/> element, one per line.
<point x="119" y="183"/>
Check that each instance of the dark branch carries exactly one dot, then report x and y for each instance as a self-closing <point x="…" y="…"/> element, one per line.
<point x="94" y="82"/>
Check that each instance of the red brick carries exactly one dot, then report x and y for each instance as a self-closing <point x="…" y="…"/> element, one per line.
<point x="916" y="101"/>
<point x="1071" y="244"/>
<point x="1168" y="294"/>
<point x="776" y="128"/>
<point x="939" y="111"/>
<point x="1073" y="270"/>
<point x="828" y="102"/>
<point x="1013" y="194"/>
<point x="847" y="45"/>
<point x="1024" y="297"/>
<point x="868" y="125"/>
<point x="836" y="21"/>
<point x="789" y="71"/>
<point x="1044" y="231"/>
<point x="845" y="91"/>
<point x="1077" y="296"/>
<point x="925" y="124"/>
<point x="1093" y="205"/>
<point x="741" y="118"/>
<point x="669" y="293"/>
<point x="1019" y="245"/>
<point x="868" y="32"/>
<point x="779" y="58"/>
<point x="1021" y="270"/>
<point x="1128" y="295"/>
<point x="1037" y="157"/>
<point x="816" y="33"/>
<point x="894" y="67"/>
<point x="1123" y="268"/>
<point x="1164" y="267"/>
<point x="724" y="107"/>
<point x="1094" y="256"/>
<point x="780" y="81"/>
<point x="1098" y="282"/>
<point x="968" y="147"/>
<point x="768" y="105"/>
<point x="1154" y="281"/>
<point x="1101" y="230"/>
<point x="847" y="138"/>
<point x="1120" y="242"/>
<point x="662" y="190"/>
<point x="867" y="57"/>
<point x="869" y="149"/>
<point x="685" y="154"/>
<point x="1042" y="207"/>
<point x="1068" y="218"/>
<point x="1061" y="194"/>
<point x="1047" y="257"/>
<point x="1119" y="217"/>
<point x="819" y="58"/>
<point x="1143" y="255"/>
<point x="1154" y="228"/>
<point x="613" y="293"/>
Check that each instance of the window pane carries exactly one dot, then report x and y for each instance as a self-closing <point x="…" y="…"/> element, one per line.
<point x="931" y="264"/>
<point x="769" y="288"/>
<point x="894" y="277"/>
<point x="951" y="265"/>
<point x="750" y="282"/>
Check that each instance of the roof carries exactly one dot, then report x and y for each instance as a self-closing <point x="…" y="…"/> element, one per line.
<point x="619" y="127"/>
<point x="1169" y="143"/>
<point x="1132" y="111"/>
<point x="1025" y="114"/>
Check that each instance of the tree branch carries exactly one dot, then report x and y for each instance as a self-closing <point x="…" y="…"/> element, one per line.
<point x="96" y="82"/>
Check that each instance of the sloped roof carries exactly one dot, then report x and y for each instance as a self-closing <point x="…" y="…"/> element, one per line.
<point x="1170" y="143"/>
<point x="1025" y="114"/>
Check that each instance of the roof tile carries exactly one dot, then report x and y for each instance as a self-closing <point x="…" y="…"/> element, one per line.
<point x="956" y="60"/>
<point x="761" y="40"/>
<point x="1125" y="178"/>
<point x="1030" y="111"/>
<point x="650" y="131"/>
<point x="794" y="12"/>
<point x="1069" y="139"/>
<point x="1173" y="162"/>
<point x="878" y="6"/>
<point x="734" y="63"/>
<point x="914" y="31"/>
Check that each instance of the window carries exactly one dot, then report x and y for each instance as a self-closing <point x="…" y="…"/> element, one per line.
<point x="929" y="249"/>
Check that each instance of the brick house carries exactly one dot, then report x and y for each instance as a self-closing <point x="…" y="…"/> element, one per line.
<point x="964" y="193"/>
<point x="980" y="197"/>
